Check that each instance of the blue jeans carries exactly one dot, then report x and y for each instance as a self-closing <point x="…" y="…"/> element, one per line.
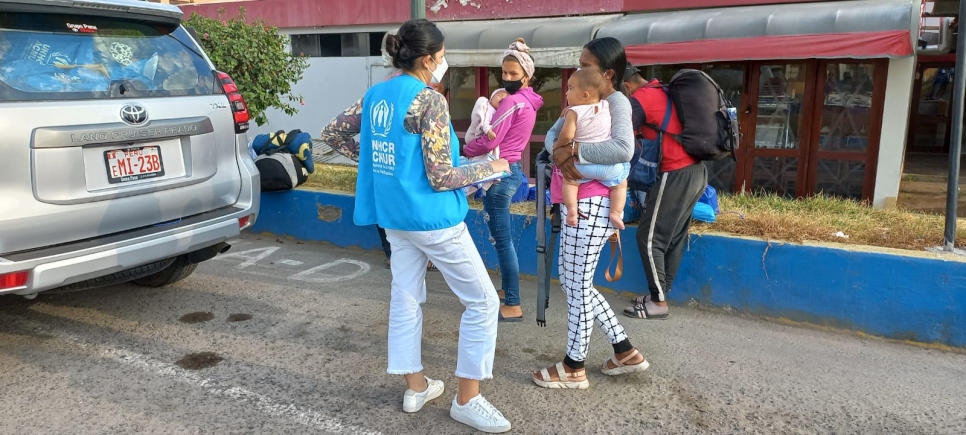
<point x="496" y="206"/>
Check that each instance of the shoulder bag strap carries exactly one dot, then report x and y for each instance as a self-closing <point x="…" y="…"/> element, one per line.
<point x="615" y="252"/>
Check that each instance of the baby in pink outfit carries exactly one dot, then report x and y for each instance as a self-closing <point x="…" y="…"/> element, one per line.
<point x="588" y="120"/>
<point x="482" y="116"/>
<point x="480" y="120"/>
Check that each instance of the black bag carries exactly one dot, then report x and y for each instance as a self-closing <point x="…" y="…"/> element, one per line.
<point x="546" y="246"/>
<point x="647" y="157"/>
<point x="280" y="171"/>
<point x="709" y="120"/>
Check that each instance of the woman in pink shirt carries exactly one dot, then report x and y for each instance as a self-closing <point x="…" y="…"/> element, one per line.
<point x="513" y="124"/>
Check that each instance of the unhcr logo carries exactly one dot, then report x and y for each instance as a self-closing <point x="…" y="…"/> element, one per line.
<point x="381" y="118"/>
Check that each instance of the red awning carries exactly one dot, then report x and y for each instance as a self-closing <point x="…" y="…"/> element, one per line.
<point x="827" y="30"/>
<point x="857" y="45"/>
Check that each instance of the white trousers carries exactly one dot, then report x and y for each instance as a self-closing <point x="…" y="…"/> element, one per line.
<point x="453" y="252"/>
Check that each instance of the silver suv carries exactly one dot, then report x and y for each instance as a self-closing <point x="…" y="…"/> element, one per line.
<point x="123" y="152"/>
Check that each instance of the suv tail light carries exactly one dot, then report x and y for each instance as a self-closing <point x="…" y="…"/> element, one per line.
<point x="13" y="280"/>
<point x="235" y="100"/>
<point x="244" y="222"/>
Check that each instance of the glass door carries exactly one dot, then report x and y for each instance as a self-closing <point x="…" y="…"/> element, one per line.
<point x="809" y="126"/>
<point x="778" y="132"/>
<point x="848" y="116"/>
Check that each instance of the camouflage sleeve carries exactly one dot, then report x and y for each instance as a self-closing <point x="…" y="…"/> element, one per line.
<point x="341" y="131"/>
<point x="429" y="116"/>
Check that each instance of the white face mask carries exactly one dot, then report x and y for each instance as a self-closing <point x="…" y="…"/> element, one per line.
<point x="440" y="71"/>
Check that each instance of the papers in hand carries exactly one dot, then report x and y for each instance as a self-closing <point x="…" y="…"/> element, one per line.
<point x="485" y="158"/>
<point x="494" y="177"/>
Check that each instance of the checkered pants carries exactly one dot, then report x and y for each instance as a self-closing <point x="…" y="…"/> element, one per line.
<point x="580" y="249"/>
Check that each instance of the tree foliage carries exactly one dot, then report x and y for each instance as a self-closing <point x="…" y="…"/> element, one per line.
<point x="255" y="56"/>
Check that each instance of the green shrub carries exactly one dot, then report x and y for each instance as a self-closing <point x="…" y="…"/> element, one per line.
<point x="255" y="56"/>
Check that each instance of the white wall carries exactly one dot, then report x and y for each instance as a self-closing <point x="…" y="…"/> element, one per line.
<point x="329" y="86"/>
<point x="895" y="125"/>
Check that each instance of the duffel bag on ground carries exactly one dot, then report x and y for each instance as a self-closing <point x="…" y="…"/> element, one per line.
<point x="280" y="171"/>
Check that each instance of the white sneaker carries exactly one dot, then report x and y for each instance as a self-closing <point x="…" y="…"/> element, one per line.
<point x="479" y="414"/>
<point x="413" y="401"/>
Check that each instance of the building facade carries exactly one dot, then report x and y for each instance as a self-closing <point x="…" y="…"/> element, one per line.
<point x="824" y="88"/>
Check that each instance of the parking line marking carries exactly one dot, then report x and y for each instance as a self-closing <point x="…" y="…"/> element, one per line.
<point x="300" y="414"/>
<point x="306" y="275"/>
<point x="250" y="260"/>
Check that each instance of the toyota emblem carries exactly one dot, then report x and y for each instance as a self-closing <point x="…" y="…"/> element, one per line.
<point x="134" y="114"/>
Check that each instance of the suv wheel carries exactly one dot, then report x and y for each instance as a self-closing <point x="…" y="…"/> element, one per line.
<point x="177" y="271"/>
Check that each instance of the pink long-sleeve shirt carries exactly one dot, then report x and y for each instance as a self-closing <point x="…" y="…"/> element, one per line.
<point x="513" y="124"/>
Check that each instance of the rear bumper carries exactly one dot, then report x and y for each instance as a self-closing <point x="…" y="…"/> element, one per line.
<point x="61" y="265"/>
<point x="68" y="264"/>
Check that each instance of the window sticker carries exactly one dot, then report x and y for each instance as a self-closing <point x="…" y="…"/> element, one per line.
<point x="122" y="53"/>
<point x="82" y="28"/>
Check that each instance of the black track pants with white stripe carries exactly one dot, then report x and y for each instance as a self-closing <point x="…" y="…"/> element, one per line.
<point x="662" y="234"/>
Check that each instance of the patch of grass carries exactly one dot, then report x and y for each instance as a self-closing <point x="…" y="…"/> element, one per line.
<point x="526" y="208"/>
<point x="766" y="216"/>
<point x="332" y="177"/>
<point x="343" y="179"/>
<point x="819" y="218"/>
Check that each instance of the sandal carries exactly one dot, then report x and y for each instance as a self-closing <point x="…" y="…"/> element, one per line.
<point x="431" y="267"/>
<point x="510" y="319"/>
<point x="622" y="368"/>
<point x="575" y="381"/>
<point x="644" y="308"/>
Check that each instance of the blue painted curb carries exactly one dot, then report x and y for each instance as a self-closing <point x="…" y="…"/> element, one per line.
<point x="901" y="297"/>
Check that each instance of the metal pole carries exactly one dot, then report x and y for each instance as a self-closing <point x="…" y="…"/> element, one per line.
<point x="955" y="148"/>
<point x="418" y="9"/>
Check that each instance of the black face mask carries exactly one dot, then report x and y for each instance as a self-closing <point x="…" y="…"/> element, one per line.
<point x="512" y="86"/>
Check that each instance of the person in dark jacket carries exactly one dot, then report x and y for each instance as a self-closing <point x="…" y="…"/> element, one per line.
<point x="662" y="234"/>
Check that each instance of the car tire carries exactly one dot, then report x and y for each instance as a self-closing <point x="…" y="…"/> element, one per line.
<point x="177" y="271"/>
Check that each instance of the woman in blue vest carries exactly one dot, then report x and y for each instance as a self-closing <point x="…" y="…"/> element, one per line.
<point x="409" y="184"/>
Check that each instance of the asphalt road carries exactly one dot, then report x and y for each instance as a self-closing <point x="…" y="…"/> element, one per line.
<point x="284" y="337"/>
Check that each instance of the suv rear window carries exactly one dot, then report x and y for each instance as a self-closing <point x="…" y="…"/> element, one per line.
<point x="71" y="57"/>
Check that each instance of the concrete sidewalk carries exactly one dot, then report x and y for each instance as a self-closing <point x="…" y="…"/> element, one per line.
<point x="311" y="359"/>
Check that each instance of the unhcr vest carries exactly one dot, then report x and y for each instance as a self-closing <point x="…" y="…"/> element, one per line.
<point x="392" y="188"/>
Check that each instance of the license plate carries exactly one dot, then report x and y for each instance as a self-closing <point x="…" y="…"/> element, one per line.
<point x="132" y="164"/>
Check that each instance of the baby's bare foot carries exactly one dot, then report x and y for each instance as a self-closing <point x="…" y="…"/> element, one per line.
<point x="617" y="219"/>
